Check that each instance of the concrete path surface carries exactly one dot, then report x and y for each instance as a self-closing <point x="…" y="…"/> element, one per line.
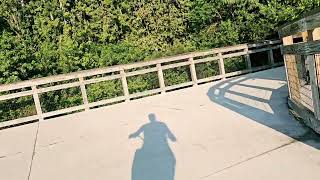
<point x="235" y="129"/>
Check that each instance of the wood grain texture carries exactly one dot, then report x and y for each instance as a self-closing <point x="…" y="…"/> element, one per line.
<point x="305" y="48"/>
<point x="307" y="23"/>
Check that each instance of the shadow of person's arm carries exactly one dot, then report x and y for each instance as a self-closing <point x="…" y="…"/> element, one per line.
<point x="136" y="134"/>
<point x="171" y="136"/>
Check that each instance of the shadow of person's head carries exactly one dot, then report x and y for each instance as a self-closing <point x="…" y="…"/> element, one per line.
<point x="155" y="159"/>
<point x="152" y="117"/>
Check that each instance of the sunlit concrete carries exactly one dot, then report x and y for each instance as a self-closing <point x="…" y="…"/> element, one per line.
<point x="239" y="128"/>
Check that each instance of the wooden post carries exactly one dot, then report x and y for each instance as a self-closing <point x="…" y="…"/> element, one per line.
<point x="161" y="79"/>
<point x="314" y="65"/>
<point x="37" y="102"/>
<point x="305" y="36"/>
<point x="84" y="94"/>
<point x="124" y="84"/>
<point x="287" y="41"/>
<point x="193" y="72"/>
<point x="221" y="66"/>
<point x="314" y="85"/>
<point x="271" y="57"/>
<point x="248" y="60"/>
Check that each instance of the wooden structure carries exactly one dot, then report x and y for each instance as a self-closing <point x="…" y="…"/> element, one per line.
<point x="80" y="79"/>
<point x="301" y="48"/>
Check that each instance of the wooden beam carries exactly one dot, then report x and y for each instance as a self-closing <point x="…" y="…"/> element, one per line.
<point x="306" y="48"/>
<point x="309" y="22"/>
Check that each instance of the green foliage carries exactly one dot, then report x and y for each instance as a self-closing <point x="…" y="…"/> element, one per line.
<point x="41" y="38"/>
<point x="104" y="90"/>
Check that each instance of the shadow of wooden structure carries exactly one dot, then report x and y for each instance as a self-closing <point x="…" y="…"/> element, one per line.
<point x="301" y="49"/>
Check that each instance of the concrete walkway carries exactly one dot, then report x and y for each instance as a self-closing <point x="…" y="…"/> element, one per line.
<point x="236" y="129"/>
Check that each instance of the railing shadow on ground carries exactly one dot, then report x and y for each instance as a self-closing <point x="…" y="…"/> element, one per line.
<point x="154" y="160"/>
<point x="270" y="109"/>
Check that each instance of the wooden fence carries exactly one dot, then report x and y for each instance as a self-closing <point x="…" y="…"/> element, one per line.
<point x="122" y="72"/>
<point x="301" y="48"/>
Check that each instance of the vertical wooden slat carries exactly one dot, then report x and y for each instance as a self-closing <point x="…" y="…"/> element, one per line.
<point x="314" y="85"/>
<point x="161" y="79"/>
<point x="287" y="58"/>
<point x="248" y="60"/>
<point x="193" y="72"/>
<point x="315" y="73"/>
<point x="124" y="84"/>
<point x="305" y="36"/>
<point x="84" y="94"/>
<point x="37" y="102"/>
<point x="222" y="69"/>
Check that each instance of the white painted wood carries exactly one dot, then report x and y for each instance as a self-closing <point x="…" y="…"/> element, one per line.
<point x="107" y="101"/>
<point x="248" y="60"/>
<point x="221" y="66"/>
<point x="179" y="86"/>
<point x="161" y="79"/>
<point x="84" y="94"/>
<point x="245" y="49"/>
<point x="15" y="95"/>
<point x="145" y="93"/>
<point x="58" y="87"/>
<point x="98" y="71"/>
<point x="193" y="72"/>
<point x="171" y="66"/>
<point x="124" y="84"/>
<point x="139" y="72"/>
<point x="37" y="102"/>
<point x="213" y="78"/>
<point x="204" y="60"/>
<point x="18" y="121"/>
<point x="97" y="80"/>
<point x="64" y="111"/>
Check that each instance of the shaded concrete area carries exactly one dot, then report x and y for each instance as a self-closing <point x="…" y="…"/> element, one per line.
<point x="234" y="129"/>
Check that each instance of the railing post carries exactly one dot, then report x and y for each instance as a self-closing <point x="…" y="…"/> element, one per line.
<point x="314" y="85"/>
<point x="314" y="35"/>
<point x="161" y="79"/>
<point x="221" y="66"/>
<point x="193" y="72"/>
<point x="248" y="60"/>
<point x="288" y="41"/>
<point x="271" y="57"/>
<point x="84" y="94"/>
<point x="124" y="84"/>
<point x="37" y="102"/>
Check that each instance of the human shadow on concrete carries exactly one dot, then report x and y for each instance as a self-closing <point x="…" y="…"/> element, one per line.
<point x="240" y="95"/>
<point x="154" y="160"/>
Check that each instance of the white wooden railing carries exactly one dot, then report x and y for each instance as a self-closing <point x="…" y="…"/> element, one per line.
<point x="119" y="71"/>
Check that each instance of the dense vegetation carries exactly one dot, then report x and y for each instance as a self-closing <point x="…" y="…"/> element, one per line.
<point x="40" y="38"/>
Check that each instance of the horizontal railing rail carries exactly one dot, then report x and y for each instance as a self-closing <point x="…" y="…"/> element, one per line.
<point x="307" y="22"/>
<point x="122" y="72"/>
